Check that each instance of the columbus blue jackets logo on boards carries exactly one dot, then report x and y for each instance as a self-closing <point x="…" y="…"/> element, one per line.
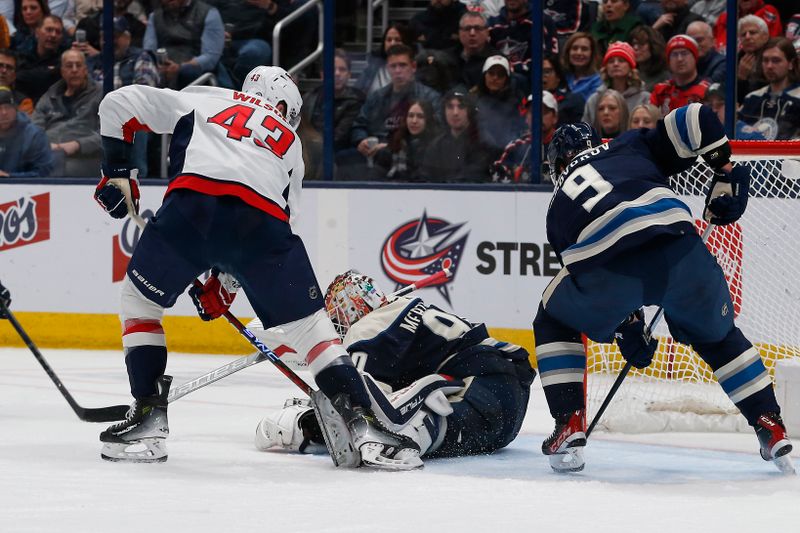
<point x="123" y="245"/>
<point x="421" y="247"/>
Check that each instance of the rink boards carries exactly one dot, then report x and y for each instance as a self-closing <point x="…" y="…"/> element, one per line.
<point x="63" y="258"/>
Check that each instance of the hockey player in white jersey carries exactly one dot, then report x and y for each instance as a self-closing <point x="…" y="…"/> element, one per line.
<point x="432" y="375"/>
<point x="235" y="177"/>
<point x="626" y="240"/>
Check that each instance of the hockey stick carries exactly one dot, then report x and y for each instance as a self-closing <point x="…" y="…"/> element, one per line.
<point x="253" y="359"/>
<point x="648" y="335"/>
<point x="87" y="414"/>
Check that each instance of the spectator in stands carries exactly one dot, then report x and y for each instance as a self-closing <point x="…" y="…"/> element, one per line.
<point x="193" y="35"/>
<point x="68" y="114"/>
<point x="93" y="23"/>
<point x="619" y="73"/>
<point x="617" y="22"/>
<point x="437" y="26"/>
<point x="775" y="108"/>
<point x="580" y="60"/>
<point x="65" y="10"/>
<point x="8" y="78"/>
<point x="132" y="65"/>
<point x="644" y="116"/>
<point x="38" y="70"/>
<point x="709" y="9"/>
<point x="753" y="37"/>
<point x="402" y="158"/>
<point x="757" y="8"/>
<point x="383" y="112"/>
<point x="457" y="155"/>
<point x="7" y="9"/>
<point x="510" y="34"/>
<point x="570" y="105"/>
<point x="347" y="102"/>
<point x="710" y="63"/>
<point x="685" y="86"/>
<point x="487" y="8"/>
<point x="468" y="57"/>
<point x="715" y="99"/>
<point x="514" y="164"/>
<point x="27" y="18"/>
<point x="24" y="150"/>
<point x="498" y="97"/>
<point x="675" y="18"/>
<point x="376" y="76"/>
<point x="247" y="32"/>
<point x="568" y="16"/>
<point x="650" y="58"/>
<point x="611" y="114"/>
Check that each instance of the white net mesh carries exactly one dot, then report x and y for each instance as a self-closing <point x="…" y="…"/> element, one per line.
<point x="678" y="392"/>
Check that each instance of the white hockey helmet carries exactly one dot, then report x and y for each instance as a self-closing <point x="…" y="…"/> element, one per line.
<point x="275" y="85"/>
<point x="350" y="297"/>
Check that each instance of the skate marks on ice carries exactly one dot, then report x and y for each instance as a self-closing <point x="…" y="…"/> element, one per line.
<point x="616" y="462"/>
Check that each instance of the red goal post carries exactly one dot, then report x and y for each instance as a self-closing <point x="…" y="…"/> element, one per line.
<point x="759" y="255"/>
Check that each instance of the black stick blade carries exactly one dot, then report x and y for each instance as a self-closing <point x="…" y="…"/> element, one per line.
<point x="103" y="414"/>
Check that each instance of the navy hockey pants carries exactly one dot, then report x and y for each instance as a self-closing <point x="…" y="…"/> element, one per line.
<point x="678" y="273"/>
<point x="193" y="232"/>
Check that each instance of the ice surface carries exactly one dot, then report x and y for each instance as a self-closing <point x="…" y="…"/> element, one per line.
<point x="52" y="478"/>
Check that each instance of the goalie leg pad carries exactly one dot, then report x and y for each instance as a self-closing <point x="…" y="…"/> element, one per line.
<point x="294" y="428"/>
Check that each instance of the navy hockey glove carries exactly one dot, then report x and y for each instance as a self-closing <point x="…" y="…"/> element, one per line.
<point x="216" y="295"/>
<point x="118" y="191"/>
<point x="727" y="198"/>
<point x="637" y="349"/>
<point x="5" y="298"/>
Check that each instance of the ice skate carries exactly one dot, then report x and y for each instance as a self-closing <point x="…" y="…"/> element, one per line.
<point x="140" y="438"/>
<point x="292" y="428"/>
<point x="775" y="443"/>
<point x="564" y="448"/>
<point x="379" y="447"/>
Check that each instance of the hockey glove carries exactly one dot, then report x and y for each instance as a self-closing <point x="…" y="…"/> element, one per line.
<point x="216" y="295"/>
<point x="636" y="348"/>
<point x="727" y="198"/>
<point x="5" y="299"/>
<point x="118" y="191"/>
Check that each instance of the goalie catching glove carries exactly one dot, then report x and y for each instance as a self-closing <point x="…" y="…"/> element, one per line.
<point x="118" y="191"/>
<point x="727" y="198"/>
<point x="637" y="347"/>
<point x="215" y="297"/>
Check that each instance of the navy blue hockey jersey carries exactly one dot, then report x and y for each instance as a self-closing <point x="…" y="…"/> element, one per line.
<point x="616" y="196"/>
<point x="408" y="339"/>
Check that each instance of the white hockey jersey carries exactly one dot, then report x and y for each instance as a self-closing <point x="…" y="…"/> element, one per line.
<point x="225" y="142"/>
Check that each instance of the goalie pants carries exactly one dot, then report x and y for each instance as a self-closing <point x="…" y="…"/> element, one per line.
<point x="489" y="412"/>
<point x="678" y="273"/>
<point x="191" y="233"/>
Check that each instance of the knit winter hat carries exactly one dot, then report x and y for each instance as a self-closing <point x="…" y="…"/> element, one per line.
<point x="682" y="41"/>
<point x="623" y="50"/>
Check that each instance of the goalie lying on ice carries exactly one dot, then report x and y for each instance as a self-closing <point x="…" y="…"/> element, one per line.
<point x="431" y="375"/>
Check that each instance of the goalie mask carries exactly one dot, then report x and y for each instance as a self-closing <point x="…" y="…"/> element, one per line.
<point x="350" y="297"/>
<point x="276" y="86"/>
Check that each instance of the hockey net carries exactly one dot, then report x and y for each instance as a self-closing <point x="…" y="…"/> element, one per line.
<point x="759" y="255"/>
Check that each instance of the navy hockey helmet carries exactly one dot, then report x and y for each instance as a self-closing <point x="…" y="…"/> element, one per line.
<point x="568" y="141"/>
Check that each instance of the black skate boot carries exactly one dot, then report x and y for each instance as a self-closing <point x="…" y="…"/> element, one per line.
<point x="564" y="448"/>
<point x="378" y="445"/>
<point x="775" y="443"/>
<point x="140" y="438"/>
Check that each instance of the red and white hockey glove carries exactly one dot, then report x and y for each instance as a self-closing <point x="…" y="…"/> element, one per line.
<point x="118" y="191"/>
<point x="216" y="295"/>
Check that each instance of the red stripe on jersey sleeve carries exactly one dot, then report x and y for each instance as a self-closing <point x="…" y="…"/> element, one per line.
<point x="131" y="127"/>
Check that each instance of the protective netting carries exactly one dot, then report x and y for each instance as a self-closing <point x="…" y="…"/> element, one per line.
<point x="759" y="255"/>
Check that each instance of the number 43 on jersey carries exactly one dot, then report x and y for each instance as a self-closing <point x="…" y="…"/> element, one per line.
<point x="235" y="118"/>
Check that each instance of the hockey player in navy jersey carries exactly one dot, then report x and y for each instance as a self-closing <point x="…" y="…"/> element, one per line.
<point x="433" y="376"/>
<point x="235" y="177"/>
<point x="626" y="240"/>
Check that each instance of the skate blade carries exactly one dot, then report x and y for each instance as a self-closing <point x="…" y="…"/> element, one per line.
<point x="785" y="465"/>
<point x="406" y="459"/>
<point x="142" y="451"/>
<point x="569" y="461"/>
<point x="334" y="432"/>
